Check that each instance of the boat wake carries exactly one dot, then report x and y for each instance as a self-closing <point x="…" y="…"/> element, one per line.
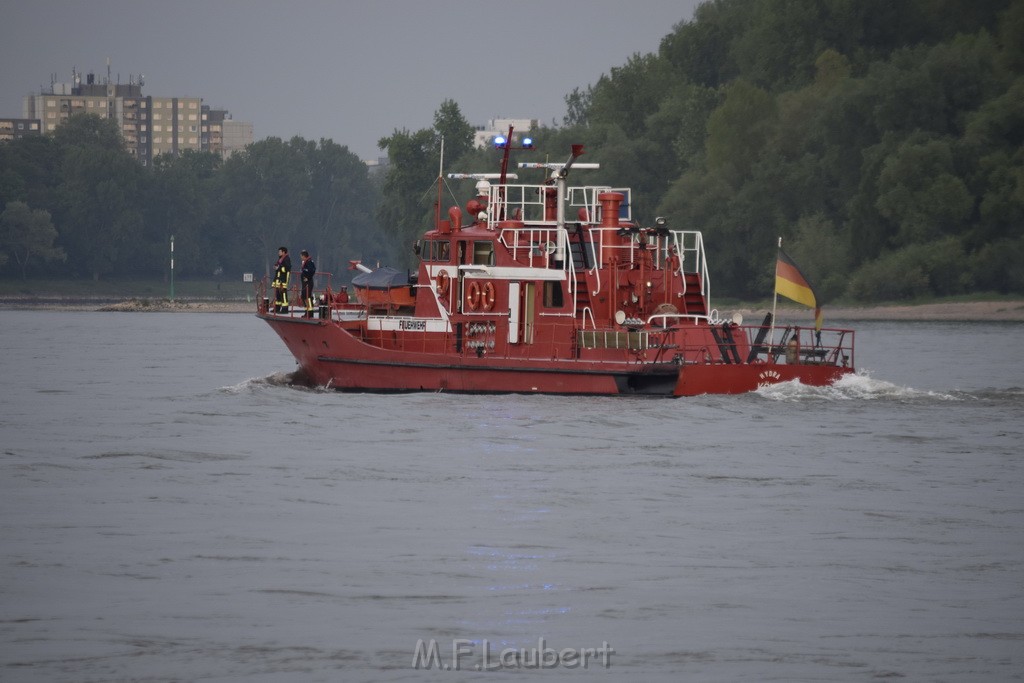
<point x="290" y="380"/>
<point x="855" y="387"/>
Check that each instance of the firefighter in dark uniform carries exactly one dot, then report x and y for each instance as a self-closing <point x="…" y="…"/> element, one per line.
<point x="308" y="271"/>
<point x="280" y="284"/>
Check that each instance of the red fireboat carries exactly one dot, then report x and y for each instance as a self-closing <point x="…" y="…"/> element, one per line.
<point x="548" y="288"/>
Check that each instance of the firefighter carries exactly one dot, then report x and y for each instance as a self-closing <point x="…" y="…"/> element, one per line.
<point x="308" y="271"/>
<point x="280" y="284"/>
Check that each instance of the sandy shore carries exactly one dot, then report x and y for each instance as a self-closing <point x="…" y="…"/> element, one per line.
<point x="990" y="311"/>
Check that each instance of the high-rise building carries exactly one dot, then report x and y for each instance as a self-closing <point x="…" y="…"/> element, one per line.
<point x="17" y="128"/>
<point x="151" y="126"/>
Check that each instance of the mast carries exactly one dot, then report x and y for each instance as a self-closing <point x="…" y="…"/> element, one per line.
<point x="775" y="300"/>
<point x="559" y="173"/>
<point x="504" y="157"/>
<point x="440" y="181"/>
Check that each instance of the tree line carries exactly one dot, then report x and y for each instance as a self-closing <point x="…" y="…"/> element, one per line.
<point x="883" y="141"/>
<point x="77" y="205"/>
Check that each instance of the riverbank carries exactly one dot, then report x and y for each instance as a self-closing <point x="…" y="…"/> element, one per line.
<point x="127" y="305"/>
<point x="1009" y="310"/>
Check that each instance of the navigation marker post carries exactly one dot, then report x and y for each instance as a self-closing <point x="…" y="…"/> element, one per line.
<point x="172" y="267"/>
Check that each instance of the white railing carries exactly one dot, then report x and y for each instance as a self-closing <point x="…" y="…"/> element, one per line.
<point x="688" y="242"/>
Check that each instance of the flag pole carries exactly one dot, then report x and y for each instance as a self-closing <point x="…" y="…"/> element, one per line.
<point x="775" y="300"/>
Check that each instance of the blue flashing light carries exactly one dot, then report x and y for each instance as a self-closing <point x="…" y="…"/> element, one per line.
<point x="527" y="143"/>
<point x="499" y="141"/>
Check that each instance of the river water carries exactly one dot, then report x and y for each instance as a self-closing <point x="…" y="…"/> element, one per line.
<point x="171" y="508"/>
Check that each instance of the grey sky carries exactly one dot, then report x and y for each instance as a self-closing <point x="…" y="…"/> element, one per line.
<point x="349" y="70"/>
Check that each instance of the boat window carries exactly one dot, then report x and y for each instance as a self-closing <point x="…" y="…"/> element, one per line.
<point x="553" y="295"/>
<point x="462" y="251"/>
<point x="483" y="253"/>
<point x="443" y="252"/>
<point x="425" y="251"/>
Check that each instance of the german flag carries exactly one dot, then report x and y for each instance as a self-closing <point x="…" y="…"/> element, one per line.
<point x="791" y="283"/>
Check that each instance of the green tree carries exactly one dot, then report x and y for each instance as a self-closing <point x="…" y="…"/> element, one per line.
<point x="700" y="51"/>
<point x="28" y="170"/>
<point x="408" y="205"/>
<point x="739" y="129"/>
<point x="920" y="192"/>
<point x="179" y="204"/>
<point x="628" y="95"/>
<point x="823" y="252"/>
<point x="577" y="105"/>
<point x="27" y="235"/>
<point x="98" y="198"/>
<point x="338" y="222"/>
<point x="450" y="124"/>
<point x="263" y="191"/>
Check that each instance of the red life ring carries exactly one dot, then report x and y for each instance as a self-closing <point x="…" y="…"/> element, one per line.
<point x="487" y="296"/>
<point x="473" y="295"/>
<point x="443" y="282"/>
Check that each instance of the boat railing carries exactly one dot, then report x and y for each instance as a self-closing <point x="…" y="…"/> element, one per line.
<point x="807" y="346"/>
<point x="322" y="294"/>
<point x="661" y="319"/>
<point x="588" y="312"/>
<point x="689" y="245"/>
<point x="749" y="344"/>
<point x="535" y="246"/>
<point x="595" y="268"/>
<point x="586" y="197"/>
<point x="539" y="247"/>
<point x="519" y="202"/>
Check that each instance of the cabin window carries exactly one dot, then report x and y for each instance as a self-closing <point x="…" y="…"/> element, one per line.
<point x="462" y="252"/>
<point x="435" y="250"/>
<point x="483" y="253"/>
<point x="553" y="295"/>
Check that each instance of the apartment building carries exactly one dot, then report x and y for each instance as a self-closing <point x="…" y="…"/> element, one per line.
<point x="150" y="125"/>
<point x="17" y="128"/>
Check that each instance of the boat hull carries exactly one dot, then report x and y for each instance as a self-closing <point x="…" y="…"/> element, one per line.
<point x="332" y="357"/>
